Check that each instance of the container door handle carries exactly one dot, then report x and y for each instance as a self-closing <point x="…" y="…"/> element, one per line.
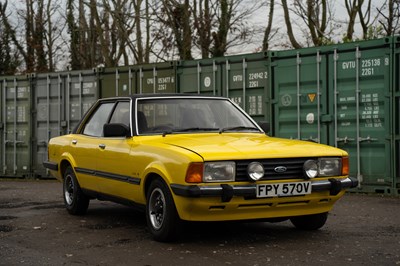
<point x="369" y="139"/>
<point x="345" y="140"/>
<point x="74" y="141"/>
<point x="102" y="146"/>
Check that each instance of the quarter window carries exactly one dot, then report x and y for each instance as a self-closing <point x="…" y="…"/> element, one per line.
<point x="94" y="127"/>
<point x="121" y="114"/>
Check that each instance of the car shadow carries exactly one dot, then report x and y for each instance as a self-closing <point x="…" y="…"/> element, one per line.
<point x="108" y="216"/>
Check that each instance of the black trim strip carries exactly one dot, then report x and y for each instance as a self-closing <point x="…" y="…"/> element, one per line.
<point x="121" y="178"/>
<point x="50" y="165"/>
<point x="103" y="196"/>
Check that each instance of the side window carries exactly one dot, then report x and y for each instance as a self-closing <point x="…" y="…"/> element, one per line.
<point x="94" y="127"/>
<point x="121" y="114"/>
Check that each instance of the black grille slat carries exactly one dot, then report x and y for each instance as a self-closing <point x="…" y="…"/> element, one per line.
<point x="294" y="168"/>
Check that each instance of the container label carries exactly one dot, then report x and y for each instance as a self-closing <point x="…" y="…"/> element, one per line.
<point x="370" y="112"/>
<point x="286" y="100"/>
<point x="255" y="105"/>
<point x="162" y="82"/>
<point x="207" y="82"/>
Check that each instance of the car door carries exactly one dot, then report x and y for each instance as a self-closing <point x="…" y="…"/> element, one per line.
<point x="114" y="164"/>
<point x="85" y="145"/>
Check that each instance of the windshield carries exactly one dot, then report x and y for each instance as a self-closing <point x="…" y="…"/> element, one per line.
<point x="175" y="115"/>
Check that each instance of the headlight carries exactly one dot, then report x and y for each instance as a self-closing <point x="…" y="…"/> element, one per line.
<point x="219" y="172"/>
<point x="330" y="166"/>
<point x="311" y="168"/>
<point x="323" y="167"/>
<point x="255" y="171"/>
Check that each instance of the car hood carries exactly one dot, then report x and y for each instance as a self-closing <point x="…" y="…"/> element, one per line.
<point x="236" y="146"/>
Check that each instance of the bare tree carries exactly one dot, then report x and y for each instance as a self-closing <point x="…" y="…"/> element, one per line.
<point x="268" y="29"/>
<point x="352" y="8"/>
<point x="176" y="17"/>
<point x="389" y="18"/>
<point x="288" y="23"/>
<point x="203" y="19"/>
<point x="365" y="16"/>
<point x="9" y="61"/>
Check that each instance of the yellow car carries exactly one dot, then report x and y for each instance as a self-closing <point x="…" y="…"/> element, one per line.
<point x="194" y="158"/>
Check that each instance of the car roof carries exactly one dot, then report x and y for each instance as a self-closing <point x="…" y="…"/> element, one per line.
<point x="163" y="95"/>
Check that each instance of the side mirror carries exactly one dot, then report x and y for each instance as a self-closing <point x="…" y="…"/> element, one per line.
<point x="116" y="130"/>
<point x="264" y="126"/>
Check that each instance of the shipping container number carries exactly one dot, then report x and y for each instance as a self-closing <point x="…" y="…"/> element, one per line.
<point x="368" y="66"/>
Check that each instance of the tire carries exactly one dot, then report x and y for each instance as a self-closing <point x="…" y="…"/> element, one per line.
<point x="161" y="215"/>
<point x="310" y="222"/>
<point x="75" y="201"/>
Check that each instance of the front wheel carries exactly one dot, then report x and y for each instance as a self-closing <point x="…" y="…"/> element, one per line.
<point x="75" y="201"/>
<point x="161" y="215"/>
<point x="310" y="222"/>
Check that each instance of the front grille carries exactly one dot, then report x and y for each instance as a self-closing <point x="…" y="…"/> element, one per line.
<point x="294" y="168"/>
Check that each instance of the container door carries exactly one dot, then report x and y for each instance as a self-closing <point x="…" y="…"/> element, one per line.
<point x="396" y="110"/>
<point x="48" y="118"/>
<point x="361" y="104"/>
<point x="245" y="81"/>
<point x="159" y="78"/>
<point x="300" y="102"/>
<point x="16" y="105"/>
<point x="199" y="76"/>
<point x="81" y="94"/>
<point x="117" y="82"/>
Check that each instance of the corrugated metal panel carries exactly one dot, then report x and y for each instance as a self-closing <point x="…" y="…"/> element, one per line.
<point x="396" y="111"/>
<point x="119" y="81"/>
<point x="60" y="100"/>
<point x="157" y="78"/>
<point x="16" y="126"/>
<point x="341" y="96"/>
<point x="361" y="92"/>
<point x="245" y="81"/>
<point x="199" y="76"/>
<point x="300" y="95"/>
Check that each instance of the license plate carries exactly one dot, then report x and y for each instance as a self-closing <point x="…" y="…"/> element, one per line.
<point x="283" y="189"/>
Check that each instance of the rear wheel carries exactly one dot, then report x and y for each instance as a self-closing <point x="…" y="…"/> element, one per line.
<point x="310" y="222"/>
<point x="161" y="215"/>
<point x="75" y="201"/>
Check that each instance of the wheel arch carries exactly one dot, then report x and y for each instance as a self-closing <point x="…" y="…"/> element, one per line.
<point x="63" y="167"/>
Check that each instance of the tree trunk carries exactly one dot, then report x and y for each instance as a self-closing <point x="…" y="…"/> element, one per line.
<point x="288" y="23"/>
<point x="268" y="29"/>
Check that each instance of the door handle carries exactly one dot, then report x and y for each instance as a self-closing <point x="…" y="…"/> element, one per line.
<point x="102" y="146"/>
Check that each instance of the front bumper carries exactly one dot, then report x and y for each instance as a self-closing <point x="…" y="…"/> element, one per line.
<point x="226" y="191"/>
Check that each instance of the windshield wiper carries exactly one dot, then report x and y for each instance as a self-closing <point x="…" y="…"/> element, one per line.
<point x="197" y="129"/>
<point x="238" y="128"/>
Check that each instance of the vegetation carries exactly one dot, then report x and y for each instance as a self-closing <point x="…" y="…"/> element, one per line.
<point x="48" y="35"/>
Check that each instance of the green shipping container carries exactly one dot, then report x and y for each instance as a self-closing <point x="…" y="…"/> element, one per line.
<point x="396" y="110"/>
<point x="341" y="96"/>
<point x="200" y="76"/>
<point x="59" y="101"/>
<point x="245" y="81"/>
<point x="15" y="126"/>
<point x="121" y="81"/>
<point x="156" y="78"/>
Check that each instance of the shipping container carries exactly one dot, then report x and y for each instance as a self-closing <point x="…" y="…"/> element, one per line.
<point x="300" y="95"/>
<point x="200" y="76"/>
<point x="396" y="110"/>
<point x="245" y="80"/>
<point x="121" y="81"/>
<point x="15" y="126"/>
<point x="59" y="102"/>
<point x="156" y="78"/>
<point x="341" y="96"/>
<point x="345" y="95"/>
